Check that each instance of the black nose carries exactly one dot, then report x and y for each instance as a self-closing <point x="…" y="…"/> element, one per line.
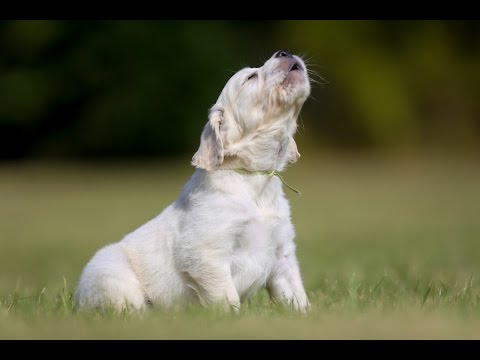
<point x="283" y="53"/>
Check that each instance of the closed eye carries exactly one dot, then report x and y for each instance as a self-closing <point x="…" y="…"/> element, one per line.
<point x="254" y="75"/>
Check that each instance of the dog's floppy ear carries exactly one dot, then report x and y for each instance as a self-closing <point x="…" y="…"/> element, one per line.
<point x="209" y="155"/>
<point x="293" y="154"/>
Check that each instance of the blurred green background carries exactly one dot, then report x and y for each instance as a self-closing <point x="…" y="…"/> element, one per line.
<point x="388" y="226"/>
<point x="143" y="88"/>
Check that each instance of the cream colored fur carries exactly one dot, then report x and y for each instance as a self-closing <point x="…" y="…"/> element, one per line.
<point x="228" y="233"/>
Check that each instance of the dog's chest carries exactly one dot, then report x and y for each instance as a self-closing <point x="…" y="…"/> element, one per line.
<point x="255" y="248"/>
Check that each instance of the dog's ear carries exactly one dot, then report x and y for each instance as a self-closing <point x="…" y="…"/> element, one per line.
<point x="293" y="154"/>
<point x="209" y="155"/>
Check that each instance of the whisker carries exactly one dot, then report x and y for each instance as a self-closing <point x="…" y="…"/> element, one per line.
<point x="316" y="84"/>
<point x="263" y="58"/>
<point x="320" y="80"/>
<point x="313" y="75"/>
<point x="301" y="126"/>
<point x="316" y="66"/>
<point x="306" y="58"/>
<point x="316" y="78"/>
<point x="314" y="99"/>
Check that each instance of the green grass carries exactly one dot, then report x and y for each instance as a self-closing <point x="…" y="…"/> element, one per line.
<point x="389" y="247"/>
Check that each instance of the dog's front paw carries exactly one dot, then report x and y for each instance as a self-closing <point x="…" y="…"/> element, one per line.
<point x="300" y="304"/>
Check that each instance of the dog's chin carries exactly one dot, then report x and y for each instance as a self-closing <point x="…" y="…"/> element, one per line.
<point x="294" y="78"/>
<point x="294" y="88"/>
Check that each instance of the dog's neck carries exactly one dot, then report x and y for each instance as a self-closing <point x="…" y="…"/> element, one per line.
<point x="269" y="148"/>
<point x="265" y="173"/>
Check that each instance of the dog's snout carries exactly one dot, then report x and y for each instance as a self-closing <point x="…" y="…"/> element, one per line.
<point x="283" y="53"/>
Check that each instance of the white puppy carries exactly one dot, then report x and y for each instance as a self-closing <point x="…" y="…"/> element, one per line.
<point x="229" y="233"/>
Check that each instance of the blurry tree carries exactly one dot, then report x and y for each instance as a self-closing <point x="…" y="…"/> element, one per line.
<point x="110" y="88"/>
<point x="127" y="88"/>
<point x="394" y="83"/>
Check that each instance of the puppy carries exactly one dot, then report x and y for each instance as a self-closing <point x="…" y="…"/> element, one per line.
<point x="229" y="232"/>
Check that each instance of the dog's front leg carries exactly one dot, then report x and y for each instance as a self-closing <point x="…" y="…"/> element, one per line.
<point x="285" y="283"/>
<point x="214" y="285"/>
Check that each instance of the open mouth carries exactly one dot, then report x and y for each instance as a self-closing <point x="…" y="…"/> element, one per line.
<point x="293" y="74"/>
<point x="295" y="66"/>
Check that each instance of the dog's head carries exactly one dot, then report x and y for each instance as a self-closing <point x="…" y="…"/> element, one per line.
<point x="254" y="119"/>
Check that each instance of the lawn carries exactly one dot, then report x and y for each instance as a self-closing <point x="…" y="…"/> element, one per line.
<point x="389" y="247"/>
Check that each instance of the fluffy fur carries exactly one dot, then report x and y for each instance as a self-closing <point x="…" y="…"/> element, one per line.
<point x="228" y="233"/>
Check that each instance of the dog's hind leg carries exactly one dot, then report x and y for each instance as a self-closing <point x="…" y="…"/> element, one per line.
<point x="109" y="280"/>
